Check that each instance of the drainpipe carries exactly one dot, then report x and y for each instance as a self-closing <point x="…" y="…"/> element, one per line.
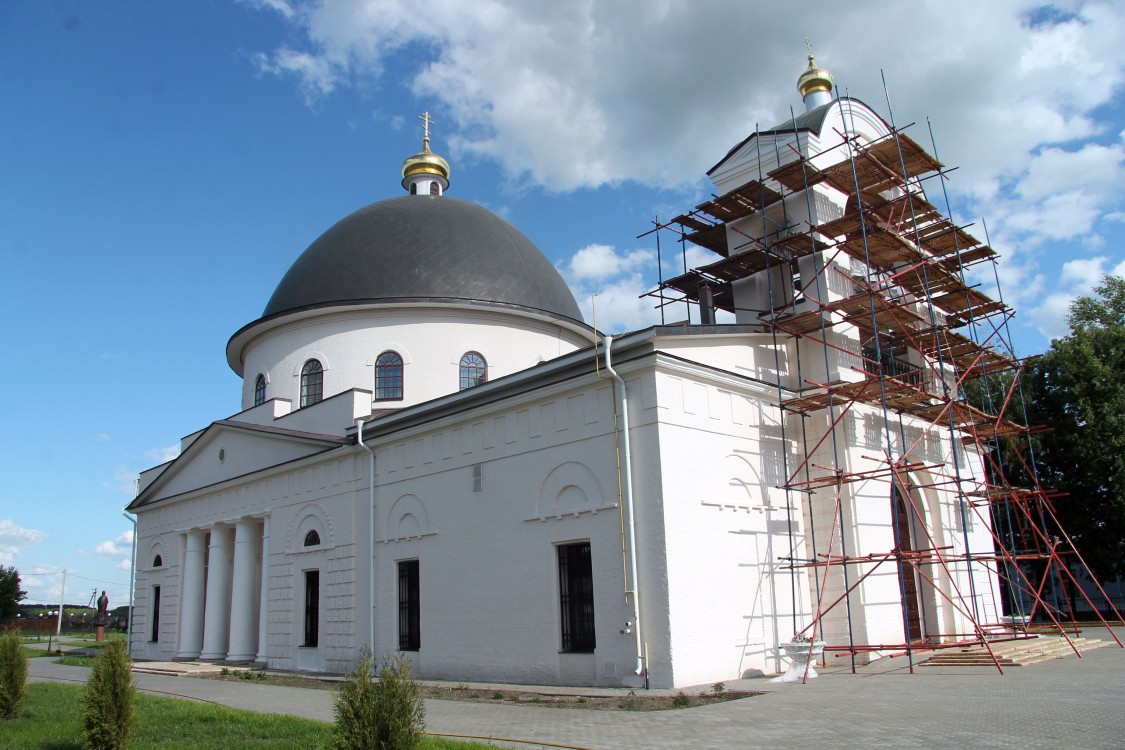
<point x="623" y="400"/>
<point x="371" y="540"/>
<point x="132" y="575"/>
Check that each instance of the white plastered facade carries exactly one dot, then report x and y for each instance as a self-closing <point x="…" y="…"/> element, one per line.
<point x="481" y="487"/>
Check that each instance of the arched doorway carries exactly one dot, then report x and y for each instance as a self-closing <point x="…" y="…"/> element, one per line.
<point x="903" y="518"/>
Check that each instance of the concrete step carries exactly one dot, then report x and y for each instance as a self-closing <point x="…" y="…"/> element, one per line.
<point x="1015" y="653"/>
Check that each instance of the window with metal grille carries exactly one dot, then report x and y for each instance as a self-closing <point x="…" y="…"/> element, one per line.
<point x="312" y="538"/>
<point x="576" y="598"/>
<point x="474" y="370"/>
<point x="773" y="462"/>
<point x="155" y="614"/>
<point x="388" y="377"/>
<point x="260" y="390"/>
<point x="409" y="624"/>
<point x="312" y="383"/>
<point x="312" y="608"/>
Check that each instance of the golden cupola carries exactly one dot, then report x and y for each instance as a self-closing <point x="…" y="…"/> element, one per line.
<point x="815" y="84"/>
<point x="425" y="173"/>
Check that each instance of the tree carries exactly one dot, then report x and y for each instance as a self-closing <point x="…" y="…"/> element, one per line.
<point x="383" y="714"/>
<point x="1078" y="389"/>
<point x="108" y="702"/>
<point x="13" y="674"/>
<point x="10" y="593"/>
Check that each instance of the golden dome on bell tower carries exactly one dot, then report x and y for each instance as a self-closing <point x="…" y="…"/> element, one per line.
<point x="425" y="166"/>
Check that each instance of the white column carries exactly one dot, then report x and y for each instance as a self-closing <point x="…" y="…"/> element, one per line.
<point x="245" y="597"/>
<point x="191" y="594"/>
<point x="216" y="615"/>
<point x="264" y="599"/>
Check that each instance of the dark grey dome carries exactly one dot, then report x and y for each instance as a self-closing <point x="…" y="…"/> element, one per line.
<point x="420" y="248"/>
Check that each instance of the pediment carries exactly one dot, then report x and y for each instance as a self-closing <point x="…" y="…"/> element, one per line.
<point x="227" y="450"/>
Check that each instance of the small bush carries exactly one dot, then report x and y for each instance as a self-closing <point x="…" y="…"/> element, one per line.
<point x="13" y="674"/>
<point x="719" y="688"/>
<point x="379" y="714"/>
<point x="108" y="702"/>
<point x="629" y="705"/>
<point x="497" y="696"/>
<point x="681" y="700"/>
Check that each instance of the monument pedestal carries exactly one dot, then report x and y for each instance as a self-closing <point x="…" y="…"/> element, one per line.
<point x="99" y="633"/>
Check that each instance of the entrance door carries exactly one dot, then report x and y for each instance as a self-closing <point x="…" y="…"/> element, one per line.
<point x="907" y="575"/>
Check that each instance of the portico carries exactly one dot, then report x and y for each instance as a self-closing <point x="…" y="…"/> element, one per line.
<point x="225" y="591"/>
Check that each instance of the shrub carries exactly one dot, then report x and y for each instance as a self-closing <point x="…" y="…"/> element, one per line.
<point x="681" y="700"/>
<point x="108" y="702"/>
<point x="13" y="674"/>
<point x="382" y="714"/>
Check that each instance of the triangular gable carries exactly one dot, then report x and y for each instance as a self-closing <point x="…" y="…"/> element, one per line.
<point x="228" y="449"/>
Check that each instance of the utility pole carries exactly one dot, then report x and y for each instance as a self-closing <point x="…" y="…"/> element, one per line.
<point x="62" y="598"/>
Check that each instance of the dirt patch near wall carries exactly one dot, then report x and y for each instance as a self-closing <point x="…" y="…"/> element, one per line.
<point x="633" y="701"/>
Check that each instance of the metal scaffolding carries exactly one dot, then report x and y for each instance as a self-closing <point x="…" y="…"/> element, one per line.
<point x="878" y="289"/>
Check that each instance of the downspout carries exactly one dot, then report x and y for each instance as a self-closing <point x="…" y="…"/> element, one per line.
<point x="132" y="576"/>
<point x="623" y="400"/>
<point x="371" y="540"/>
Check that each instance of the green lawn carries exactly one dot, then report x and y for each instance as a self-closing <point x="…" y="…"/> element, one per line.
<point x="51" y="720"/>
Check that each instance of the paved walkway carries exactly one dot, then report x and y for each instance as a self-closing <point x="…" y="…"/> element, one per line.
<point x="1066" y="703"/>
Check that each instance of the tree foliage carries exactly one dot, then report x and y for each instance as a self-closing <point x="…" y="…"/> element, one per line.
<point x="109" y="700"/>
<point x="13" y="674"/>
<point x="10" y="593"/>
<point x="382" y="714"/>
<point x="1078" y="390"/>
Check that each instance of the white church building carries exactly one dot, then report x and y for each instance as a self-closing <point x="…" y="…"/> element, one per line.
<point x="436" y="455"/>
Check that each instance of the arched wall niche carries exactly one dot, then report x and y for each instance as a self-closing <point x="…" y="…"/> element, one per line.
<point x="569" y="488"/>
<point x="407" y="519"/>
<point x="311" y="517"/>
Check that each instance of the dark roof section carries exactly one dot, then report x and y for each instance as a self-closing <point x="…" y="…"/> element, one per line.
<point x="417" y="247"/>
<point x="813" y="121"/>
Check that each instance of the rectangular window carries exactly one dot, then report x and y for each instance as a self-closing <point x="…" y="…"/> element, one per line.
<point x="312" y="608"/>
<point x="409" y="630"/>
<point x="155" y="614"/>
<point x="576" y="598"/>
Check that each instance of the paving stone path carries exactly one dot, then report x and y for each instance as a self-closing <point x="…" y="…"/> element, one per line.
<point x="1065" y="703"/>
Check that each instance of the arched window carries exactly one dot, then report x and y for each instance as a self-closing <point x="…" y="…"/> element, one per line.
<point x="435" y="189"/>
<point x="157" y="561"/>
<point x="474" y="370"/>
<point x="312" y="539"/>
<point x="312" y="383"/>
<point x="260" y="390"/>
<point x="388" y="377"/>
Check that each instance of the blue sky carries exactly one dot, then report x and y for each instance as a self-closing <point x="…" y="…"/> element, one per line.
<point x="165" y="162"/>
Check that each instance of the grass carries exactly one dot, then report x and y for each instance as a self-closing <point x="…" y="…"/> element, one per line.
<point x="51" y="720"/>
<point x="76" y="660"/>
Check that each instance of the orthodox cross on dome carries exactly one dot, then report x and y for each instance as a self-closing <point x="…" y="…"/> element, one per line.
<point x="427" y="121"/>
<point x="808" y="46"/>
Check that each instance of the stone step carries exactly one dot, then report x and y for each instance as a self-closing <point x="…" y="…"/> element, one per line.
<point x="1022" y="652"/>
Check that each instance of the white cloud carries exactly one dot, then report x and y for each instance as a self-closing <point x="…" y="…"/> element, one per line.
<point x="15" y="539"/>
<point x="125" y="564"/>
<point x="1077" y="278"/>
<point x="102" y="437"/>
<point x="119" y="547"/>
<point x="107" y="548"/>
<point x="164" y="455"/>
<point x="597" y="262"/>
<point x="573" y="95"/>
<point x="280" y="6"/>
<point x="124" y="480"/>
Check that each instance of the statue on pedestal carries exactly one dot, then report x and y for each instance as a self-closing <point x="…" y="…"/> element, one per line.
<point x="103" y="610"/>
